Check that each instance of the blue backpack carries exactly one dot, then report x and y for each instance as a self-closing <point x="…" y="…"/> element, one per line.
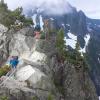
<point x="14" y="62"/>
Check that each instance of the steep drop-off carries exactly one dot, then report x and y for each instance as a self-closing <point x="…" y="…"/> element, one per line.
<point x="39" y="74"/>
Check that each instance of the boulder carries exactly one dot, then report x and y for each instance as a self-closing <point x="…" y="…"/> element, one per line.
<point x="34" y="77"/>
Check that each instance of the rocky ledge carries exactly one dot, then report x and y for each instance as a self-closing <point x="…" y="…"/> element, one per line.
<point x="39" y="71"/>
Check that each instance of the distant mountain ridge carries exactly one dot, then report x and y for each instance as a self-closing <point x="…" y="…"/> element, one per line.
<point x="47" y="69"/>
<point x="80" y="26"/>
<point x="94" y="21"/>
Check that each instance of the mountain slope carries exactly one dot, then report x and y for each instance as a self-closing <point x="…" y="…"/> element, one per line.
<point x="94" y="51"/>
<point x="86" y="30"/>
<point x="44" y="72"/>
<point x="40" y="74"/>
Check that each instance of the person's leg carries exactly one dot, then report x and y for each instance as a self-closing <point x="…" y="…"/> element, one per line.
<point x="12" y="68"/>
<point x="8" y="74"/>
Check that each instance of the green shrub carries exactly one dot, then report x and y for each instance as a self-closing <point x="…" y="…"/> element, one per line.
<point x="8" y="17"/>
<point x="34" y="98"/>
<point x="4" y="70"/>
<point x="42" y="35"/>
<point x="60" y="44"/>
<point x="50" y="97"/>
<point x="4" y="98"/>
<point x="28" y="21"/>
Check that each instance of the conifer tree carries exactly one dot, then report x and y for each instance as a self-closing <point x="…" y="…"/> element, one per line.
<point x="3" y="6"/>
<point x="79" y="59"/>
<point x="60" y="43"/>
<point x="77" y="47"/>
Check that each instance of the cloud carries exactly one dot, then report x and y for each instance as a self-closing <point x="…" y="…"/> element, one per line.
<point x="49" y="6"/>
<point x="58" y="6"/>
<point x="90" y="7"/>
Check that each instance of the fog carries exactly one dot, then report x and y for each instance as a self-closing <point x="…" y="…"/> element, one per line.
<point x="49" y="6"/>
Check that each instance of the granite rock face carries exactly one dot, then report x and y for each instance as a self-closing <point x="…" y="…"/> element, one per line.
<point x="3" y="44"/>
<point x="39" y="71"/>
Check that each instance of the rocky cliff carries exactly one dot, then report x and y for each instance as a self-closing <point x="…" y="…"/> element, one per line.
<point x="39" y="74"/>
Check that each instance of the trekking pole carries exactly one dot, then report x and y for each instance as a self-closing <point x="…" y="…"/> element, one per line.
<point x="8" y="77"/>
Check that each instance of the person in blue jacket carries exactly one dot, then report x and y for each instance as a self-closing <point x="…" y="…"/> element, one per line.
<point x="14" y="62"/>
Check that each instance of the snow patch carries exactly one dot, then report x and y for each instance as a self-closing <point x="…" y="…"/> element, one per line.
<point x="71" y="41"/>
<point x="63" y="25"/>
<point x="34" y="19"/>
<point x="52" y="19"/>
<point x="72" y="36"/>
<point x="67" y="24"/>
<point x="99" y="60"/>
<point x="86" y="38"/>
<point x="41" y="22"/>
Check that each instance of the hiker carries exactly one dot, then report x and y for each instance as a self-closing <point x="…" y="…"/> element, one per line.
<point x="14" y="62"/>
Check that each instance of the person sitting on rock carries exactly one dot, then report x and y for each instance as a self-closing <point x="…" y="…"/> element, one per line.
<point x="14" y="61"/>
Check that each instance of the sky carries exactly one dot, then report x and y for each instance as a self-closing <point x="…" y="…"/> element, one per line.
<point x="90" y="7"/>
